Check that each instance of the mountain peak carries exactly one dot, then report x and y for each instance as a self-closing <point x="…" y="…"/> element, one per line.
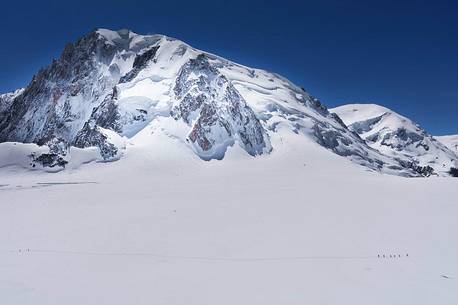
<point x="395" y="135"/>
<point x="111" y="35"/>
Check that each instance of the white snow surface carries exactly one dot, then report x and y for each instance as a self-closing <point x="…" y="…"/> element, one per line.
<point x="451" y="141"/>
<point x="397" y="136"/>
<point x="298" y="226"/>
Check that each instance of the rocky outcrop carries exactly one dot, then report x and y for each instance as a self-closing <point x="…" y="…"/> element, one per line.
<point x="91" y="135"/>
<point x="60" y="97"/>
<point x="140" y="63"/>
<point x="106" y="116"/>
<point x="216" y="112"/>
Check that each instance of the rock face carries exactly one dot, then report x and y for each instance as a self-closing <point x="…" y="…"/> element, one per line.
<point x="61" y="100"/>
<point x="114" y="85"/>
<point x="60" y="97"/>
<point x="106" y="116"/>
<point x="6" y="100"/>
<point x="398" y="137"/>
<point x="218" y="114"/>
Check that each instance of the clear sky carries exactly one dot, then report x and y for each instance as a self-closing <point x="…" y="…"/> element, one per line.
<point x="400" y="54"/>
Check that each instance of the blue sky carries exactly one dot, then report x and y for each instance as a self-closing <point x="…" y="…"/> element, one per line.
<point x="400" y="54"/>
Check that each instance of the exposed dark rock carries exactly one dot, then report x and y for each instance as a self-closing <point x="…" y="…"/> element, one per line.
<point x="46" y="108"/>
<point x="424" y="171"/>
<point x="140" y="63"/>
<point x="220" y="114"/>
<point x="453" y="172"/>
<point x="48" y="160"/>
<point x="338" y="120"/>
<point x="106" y="115"/>
<point x="90" y="136"/>
<point x="365" y="126"/>
<point x="405" y="137"/>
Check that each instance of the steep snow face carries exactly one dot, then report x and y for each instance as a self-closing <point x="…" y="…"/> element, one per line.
<point x="7" y="99"/>
<point x="118" y="84"/>
<point x="450" y="141"/>
<point x="398" y="137"/>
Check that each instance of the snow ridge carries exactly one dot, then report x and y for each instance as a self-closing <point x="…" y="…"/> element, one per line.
<point x="397" y="136"/>
<point x="451" y="141"/>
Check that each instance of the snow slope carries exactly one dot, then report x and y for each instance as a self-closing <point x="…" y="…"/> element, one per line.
<point x="397" y="136"/>
<point x="299" y="226"/>
<point x="450" y="141"/>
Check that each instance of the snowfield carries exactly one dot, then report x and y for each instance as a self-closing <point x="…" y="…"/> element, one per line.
<point x="301" y="225"/>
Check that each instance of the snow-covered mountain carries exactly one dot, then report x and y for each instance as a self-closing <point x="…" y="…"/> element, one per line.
<point x="451" y="141"/>
<point x="395" y="135"/>
<point x="114" y="89"/>
<point x="284" y="218"/>
<point x="7" y="99"/>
